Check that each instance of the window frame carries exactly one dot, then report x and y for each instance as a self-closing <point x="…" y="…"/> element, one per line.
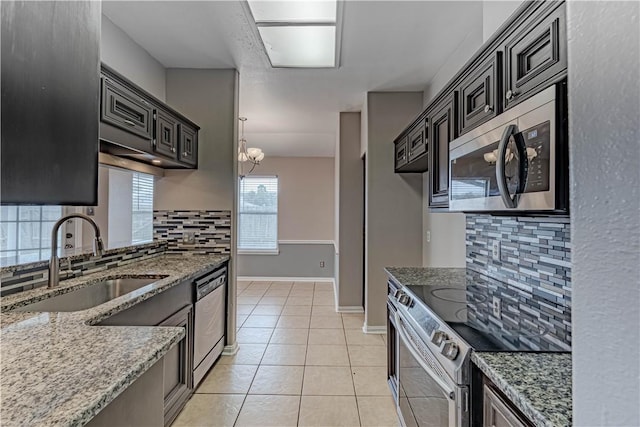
<point x="254" y="251"/>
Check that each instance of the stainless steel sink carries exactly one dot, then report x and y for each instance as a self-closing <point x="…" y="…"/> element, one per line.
<point x="90" y="296"/>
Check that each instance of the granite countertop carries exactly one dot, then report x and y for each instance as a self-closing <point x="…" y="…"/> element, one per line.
<point x="539" y="384"/>
<point x="419" y="276"/>
<point x="57" y="369"/>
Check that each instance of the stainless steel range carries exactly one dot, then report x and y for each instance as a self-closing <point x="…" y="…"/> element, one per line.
<point x="432" y="329"/>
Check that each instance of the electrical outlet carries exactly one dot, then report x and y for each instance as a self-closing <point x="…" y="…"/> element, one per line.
<point x="497" y="307"/>
<point x="428" y="236"/>
<point x="189" y="237"/>
<point x="495" y="250"/>
<point x="321" y="264"/>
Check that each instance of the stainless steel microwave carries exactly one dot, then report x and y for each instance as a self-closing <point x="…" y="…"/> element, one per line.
<point x="517" y="161"/>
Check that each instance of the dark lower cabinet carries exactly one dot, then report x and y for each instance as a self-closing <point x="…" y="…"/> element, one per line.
<point x="536" y="54"/>
<point x="173" y="307"/>
<point x="478" y="94"/>
<point x="442" y="121"/>
<point x="177" y="366"/>
<point x="50" y="85"/>
<point x="498" y="412"/>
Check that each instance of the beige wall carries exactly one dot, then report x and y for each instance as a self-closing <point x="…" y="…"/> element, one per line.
<point x="305" y="198"/>
<point x="393" y="201"/>
<point x="494" y="13"/>
<point x="208" y="98"/>
<point x="350" y="274"/>
<point x="124" y="55"/>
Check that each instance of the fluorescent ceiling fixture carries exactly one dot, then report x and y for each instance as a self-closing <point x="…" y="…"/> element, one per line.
<point x="301" y="46"/>
<point x="294" y="11"/>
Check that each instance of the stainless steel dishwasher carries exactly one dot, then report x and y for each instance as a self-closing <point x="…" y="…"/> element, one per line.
<point x="210" y="313"/>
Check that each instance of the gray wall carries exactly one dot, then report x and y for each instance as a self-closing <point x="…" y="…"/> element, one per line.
<point x="350" y="273"/>
<point x="494" y="13"/>
<point x="208" y="98"/>
<point x="123" y="54"/>
<point x="294" y="260"/>
<point x="393" y="201"/>
<point x="604" y="99"/>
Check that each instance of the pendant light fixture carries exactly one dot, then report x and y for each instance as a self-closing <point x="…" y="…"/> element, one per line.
<point x="251" y="155"/>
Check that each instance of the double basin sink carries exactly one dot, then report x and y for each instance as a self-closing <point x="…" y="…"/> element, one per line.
<point x="91" y="295"/>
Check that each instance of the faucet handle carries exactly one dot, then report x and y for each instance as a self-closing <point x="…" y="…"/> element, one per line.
<point x="98" y="246"/>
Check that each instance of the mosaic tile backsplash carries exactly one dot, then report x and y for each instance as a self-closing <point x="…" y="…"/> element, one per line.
<point x="23" y="277"/>
<point x="211" y="229"/>
<point x="532" y="276"/>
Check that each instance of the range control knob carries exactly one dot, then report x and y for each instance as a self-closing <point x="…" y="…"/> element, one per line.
<point x="439" y="337"/>
<point x="450" y="350"/>
<point x="404" y="300"/>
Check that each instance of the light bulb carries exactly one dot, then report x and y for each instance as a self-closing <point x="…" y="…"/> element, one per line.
<point x="260" y="157"/>
<point x="243" y="157"/>
<point x="253" y="152"/>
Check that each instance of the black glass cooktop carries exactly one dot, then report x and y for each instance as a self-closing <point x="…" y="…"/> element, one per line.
<point x="515" y="324"/>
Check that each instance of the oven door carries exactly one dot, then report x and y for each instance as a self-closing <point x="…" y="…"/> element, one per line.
<point x="427" y="397"/>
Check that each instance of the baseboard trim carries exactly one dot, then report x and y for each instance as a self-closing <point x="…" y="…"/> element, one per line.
<point x="230" y="350"/>
<point x="350" y="309"/>
<point x="374" y="329"/>
<point x="284" y="279"/>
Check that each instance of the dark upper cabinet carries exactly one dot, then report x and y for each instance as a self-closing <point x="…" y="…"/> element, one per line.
<point x="401" y="152"/>
<point x="188" y="144"/>
<point x="479" y="94"/>
<point x="411" y="147"/>
<point x="442" y="120"/>
<point x="166" y="135"/>
<point x="535" y="54"/>
<point x="125" y="109"/>
<point x="136" y="125"/>
<point x="50" y="102"/>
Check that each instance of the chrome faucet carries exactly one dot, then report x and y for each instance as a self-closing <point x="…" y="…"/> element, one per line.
<point x="54" y="268"/>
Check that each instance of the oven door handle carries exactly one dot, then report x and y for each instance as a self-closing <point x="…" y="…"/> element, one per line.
<point x="416" y="355"/>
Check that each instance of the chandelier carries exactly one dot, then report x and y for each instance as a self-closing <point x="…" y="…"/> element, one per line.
<point x="251" y="155"/>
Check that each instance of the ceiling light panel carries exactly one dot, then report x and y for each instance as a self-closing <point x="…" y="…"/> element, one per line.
<point x="300" y="46"/>
<point x="300" y="11"/>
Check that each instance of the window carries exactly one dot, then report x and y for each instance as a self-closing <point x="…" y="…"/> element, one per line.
<point x="25" y="233"/>
<point x="258" y="214"/>
<point x="142" y="208"/>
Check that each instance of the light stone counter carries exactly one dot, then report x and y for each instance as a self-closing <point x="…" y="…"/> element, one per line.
<point x="58" y="370"/>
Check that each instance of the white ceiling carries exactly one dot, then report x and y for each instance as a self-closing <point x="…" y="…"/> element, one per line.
<point x="386" y="46"/>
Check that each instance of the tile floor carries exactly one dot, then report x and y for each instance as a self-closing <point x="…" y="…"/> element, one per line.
<point x="299" y="363"/>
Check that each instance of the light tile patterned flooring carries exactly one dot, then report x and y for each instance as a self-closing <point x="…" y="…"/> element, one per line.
<point x="299" y="363"/>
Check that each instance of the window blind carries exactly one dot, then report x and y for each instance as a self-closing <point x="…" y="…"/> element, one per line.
<point x="258" y="213"/>
<point x="142" y="208"/>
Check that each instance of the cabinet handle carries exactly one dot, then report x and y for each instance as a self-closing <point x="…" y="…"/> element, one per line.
<point x="173" y="150"/>
<point x="129" y="122"/>
<point x="185" y="154"/>
<point x="488" y="108"/>
<point x="512" y="93"/>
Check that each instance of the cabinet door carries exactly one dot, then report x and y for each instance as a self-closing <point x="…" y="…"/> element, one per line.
<point x="177" y="366"/>
<point x="188" y="147"/>
<point x="123" y="108"/>
<point x="443" y="127"/>
<point x="478" y="93"/>
<point x="50" y="102"/>
<point x="497" y="413"/>
<point x="535" y="56"/>
<point x="166" y="137"/>
<point x="417" y="142"/>
<point x="401" y="152"/>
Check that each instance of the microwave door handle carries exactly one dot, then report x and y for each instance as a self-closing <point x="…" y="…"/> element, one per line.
<point x="414" y="352"/>
<point x="501" y="176"/>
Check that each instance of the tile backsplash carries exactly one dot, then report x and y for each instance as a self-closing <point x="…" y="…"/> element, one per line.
<point x="532" y="273"/>
<point x="33" y="275"/>
<point x="212" y="230"/>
